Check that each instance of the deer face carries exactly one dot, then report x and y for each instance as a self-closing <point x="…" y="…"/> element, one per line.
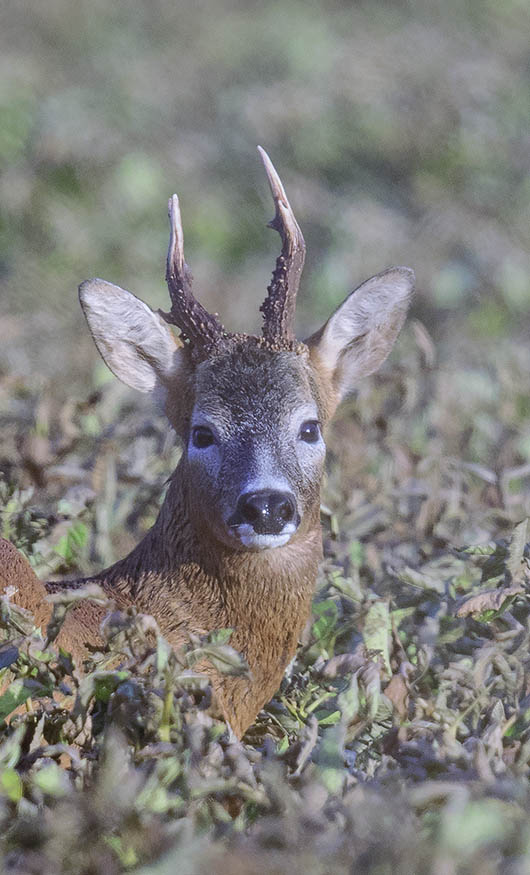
<point x="249" y="411"/>
<point x="254" y="446"/>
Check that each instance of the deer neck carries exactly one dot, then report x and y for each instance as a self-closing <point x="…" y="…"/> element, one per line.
<point x="177" y="573"/>
<point x="190" y="584"/>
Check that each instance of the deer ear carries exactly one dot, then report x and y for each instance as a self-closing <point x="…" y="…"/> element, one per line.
<point x="359" y="335"/>
<point x="132" y="339"/>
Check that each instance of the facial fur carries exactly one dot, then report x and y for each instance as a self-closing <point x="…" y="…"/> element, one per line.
<point x="256" y="403"/>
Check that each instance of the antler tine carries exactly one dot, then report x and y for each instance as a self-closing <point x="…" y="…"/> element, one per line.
<point x="175" y="252"/>
<point x="278" y="307"/>
<point x="197" y="325"/>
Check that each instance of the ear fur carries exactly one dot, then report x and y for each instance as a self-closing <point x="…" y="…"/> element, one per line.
<point x="359" y="335"/>
<point x="132" y="339"/>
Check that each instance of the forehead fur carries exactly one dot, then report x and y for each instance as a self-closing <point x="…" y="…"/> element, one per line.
<point x="251" y="382"/>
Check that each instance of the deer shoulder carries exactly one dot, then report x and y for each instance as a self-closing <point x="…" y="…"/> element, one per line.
<point x="237" y="541"/>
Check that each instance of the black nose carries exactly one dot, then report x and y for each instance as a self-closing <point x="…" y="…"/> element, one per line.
<point x="267" y="512"/>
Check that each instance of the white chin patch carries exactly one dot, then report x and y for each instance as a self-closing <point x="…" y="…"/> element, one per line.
<point x="255" y="541"/>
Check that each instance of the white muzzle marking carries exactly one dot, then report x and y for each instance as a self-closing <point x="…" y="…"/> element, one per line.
<point x="255" y="541"/>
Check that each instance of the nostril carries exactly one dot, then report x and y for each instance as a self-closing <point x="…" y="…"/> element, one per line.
<point x="251" y="510"/>
<point x="285" y="509"/>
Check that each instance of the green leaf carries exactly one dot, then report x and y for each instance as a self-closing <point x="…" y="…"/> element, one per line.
<point x="51" y="779"/>
<point x="478" y="825"/>
<point x="220" y="636"/>
<point x="282" y="745"/>
<point x="98" y="685"/>
<point x="18" y="692"/>
<point x="71" y="544"/>
<point x="10" y="748"/>
<point x="356" y="553"/>
<point x="348" y="700"/>
<point x="325" y="626"/>
<point x="376" y="631"/>
<point x="126" y="855"/>
<point x="347" y="586"/>
<point x="163" y="652"/>
<point x="329" y="719"/>
<point x="421" y="580"/>
<point x="477" y="550"/>
<point x="105" y="683"/>
<point x="330" y="759"/>
<point x="11" y="785"/>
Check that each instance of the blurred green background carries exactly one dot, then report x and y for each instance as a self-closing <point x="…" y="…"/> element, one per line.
<point x="400" y="130"/>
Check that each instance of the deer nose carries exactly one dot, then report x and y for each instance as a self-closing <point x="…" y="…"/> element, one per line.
<point x="267" y="512"/>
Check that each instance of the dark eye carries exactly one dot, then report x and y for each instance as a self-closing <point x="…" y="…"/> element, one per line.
<point x="202" y="437"/>
<point x="310" y="432"/>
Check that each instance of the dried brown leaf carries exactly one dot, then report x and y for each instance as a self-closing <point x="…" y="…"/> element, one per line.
<point x="397" y="690"/>
<point x="489" y="599"/>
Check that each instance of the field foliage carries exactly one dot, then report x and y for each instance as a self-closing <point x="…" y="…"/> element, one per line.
<point x="399" y="741"/>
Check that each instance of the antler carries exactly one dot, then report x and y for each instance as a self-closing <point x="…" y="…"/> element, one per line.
<point x="203" y="330"/>
<point x="278" y="307"/>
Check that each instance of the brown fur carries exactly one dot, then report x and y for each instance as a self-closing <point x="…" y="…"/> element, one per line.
<point x="265" y="597"/>
<point x="190" y="571"/>
<point x="192" y="584"/>
<point x="26" y="590"/>
<point x="189" y="580"/>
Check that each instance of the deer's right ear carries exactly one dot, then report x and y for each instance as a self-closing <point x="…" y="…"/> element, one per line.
<point x="359" y="335"/>
<point x="132" y="339"/>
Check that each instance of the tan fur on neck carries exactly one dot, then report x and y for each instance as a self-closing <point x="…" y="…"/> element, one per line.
<point x="265" y="597"/>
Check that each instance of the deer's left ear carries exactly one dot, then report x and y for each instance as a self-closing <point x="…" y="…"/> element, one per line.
<point x="359" y="335"/>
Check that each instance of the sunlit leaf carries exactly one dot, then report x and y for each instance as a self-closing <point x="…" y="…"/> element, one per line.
<point x="376" y="631"/>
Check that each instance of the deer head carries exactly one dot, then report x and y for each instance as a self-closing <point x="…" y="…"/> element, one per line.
<point x="250" y="411"/>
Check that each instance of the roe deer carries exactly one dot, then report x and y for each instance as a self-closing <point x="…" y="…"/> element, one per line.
<point x="237" y="541"/>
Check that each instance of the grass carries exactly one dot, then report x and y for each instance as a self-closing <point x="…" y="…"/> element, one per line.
<point x="399" y="742"/>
